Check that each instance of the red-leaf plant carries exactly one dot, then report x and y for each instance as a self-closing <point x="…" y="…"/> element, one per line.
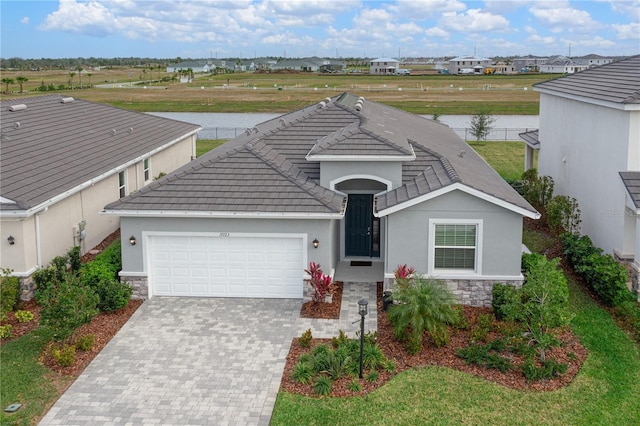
<point x="322" y="284"/>
<point x="403" y="275"/>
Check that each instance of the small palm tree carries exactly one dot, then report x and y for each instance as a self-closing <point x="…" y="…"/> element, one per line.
<point x="89" y="75"/>
<point x="21" y="81"/>
<point x="424" y="305"/>
<point x="80" y="69"/>
<point x="7" y="81"/>
<point x="71" y="75"/>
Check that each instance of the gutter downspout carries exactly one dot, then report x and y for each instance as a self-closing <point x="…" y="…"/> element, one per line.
<point x="38" y="242"/>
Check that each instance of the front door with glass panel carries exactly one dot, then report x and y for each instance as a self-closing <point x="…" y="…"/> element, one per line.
<point x="362" y="230"/>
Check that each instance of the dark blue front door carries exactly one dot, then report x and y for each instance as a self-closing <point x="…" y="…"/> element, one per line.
<point x="359" y="226"/>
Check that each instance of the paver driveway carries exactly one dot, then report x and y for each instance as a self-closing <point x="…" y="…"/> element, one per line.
<point x="186" y="361"/>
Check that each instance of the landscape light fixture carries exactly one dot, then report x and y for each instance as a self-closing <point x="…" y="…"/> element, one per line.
<point x="132" y="240"/>
<point x="362" y="310"/>
<point x="316" y="243"/>
<point x="11" y="240"/>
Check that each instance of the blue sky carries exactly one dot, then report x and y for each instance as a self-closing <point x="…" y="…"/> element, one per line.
<point x="336" y="28"/>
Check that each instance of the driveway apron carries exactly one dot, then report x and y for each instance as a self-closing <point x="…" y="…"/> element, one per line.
<point x="184" y="361"/>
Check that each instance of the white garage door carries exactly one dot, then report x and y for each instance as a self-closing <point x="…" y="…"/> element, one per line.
<point x="226" y="266"/>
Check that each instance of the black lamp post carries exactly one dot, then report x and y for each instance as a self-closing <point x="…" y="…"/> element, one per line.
<point x="362" y="310"/>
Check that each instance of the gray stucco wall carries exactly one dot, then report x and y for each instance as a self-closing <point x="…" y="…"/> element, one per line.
<point x="326" y="231"/>
<point x="331" y="170"/>
<point x="408" y="233"/>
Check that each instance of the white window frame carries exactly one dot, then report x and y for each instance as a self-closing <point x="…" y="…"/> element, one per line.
<point x="122" y="187"/>
<point x="432" y="246"/>
<point x="146" y="169"/>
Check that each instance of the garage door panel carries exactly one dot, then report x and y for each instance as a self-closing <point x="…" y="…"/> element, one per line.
<point x="226" y="266"/>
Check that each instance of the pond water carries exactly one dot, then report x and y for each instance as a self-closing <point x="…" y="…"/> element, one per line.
<point x="228" y="125"/>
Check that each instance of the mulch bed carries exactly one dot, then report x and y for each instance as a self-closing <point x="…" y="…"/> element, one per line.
<point x="571" y="352"/>
<point x="331" y="310"/>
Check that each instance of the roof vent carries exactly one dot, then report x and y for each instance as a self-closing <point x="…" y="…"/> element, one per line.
<point x="328" y="100"/>
<point x="361" y="99"/>
<point x="66" y="100"/>
<point x="130" y="130"/>
<point x="248" y="132"/>
<point x="322" y="104"/>
<point x="284" y="123"/>
<point x="358" y="107"/>
<point x="255" y="130"/>
<point x="114" y="131"/>
<point x="18" y="107"/>
<point x="17" y="125"/>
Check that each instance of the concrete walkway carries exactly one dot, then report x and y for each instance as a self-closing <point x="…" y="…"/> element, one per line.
<point x="198" y="361"/>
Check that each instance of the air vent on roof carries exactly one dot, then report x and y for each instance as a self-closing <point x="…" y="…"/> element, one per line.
<point x="361" y="99"/>
<point x="322" y="104"/>
<point x="130" y="130"/>
<point x="359" y="104"/>
<point x="255" y="130"/>
<point x="328" y="99"/>
<point x="284" y="123"/>
<point x="17" y="125"/>
<point x="114" y="131"/>
<point x="248" y="132"/>
<point x="66" y="100"/>
<point x="18" y="107"/>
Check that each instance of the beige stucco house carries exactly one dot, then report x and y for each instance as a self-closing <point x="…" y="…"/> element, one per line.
<point x="62" y="160"/>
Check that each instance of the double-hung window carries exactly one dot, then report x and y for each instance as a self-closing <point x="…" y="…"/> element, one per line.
<point x="122" y="184"/>
<point x="146" y="167"/>
<point x="455" y="246"/>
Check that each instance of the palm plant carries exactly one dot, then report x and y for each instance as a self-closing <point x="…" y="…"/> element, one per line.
<point x="7" y="81"/>
<point x="21" y="81"/>
<point x="424" y="305"/>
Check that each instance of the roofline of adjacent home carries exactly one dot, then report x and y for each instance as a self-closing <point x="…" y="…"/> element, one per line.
<point x="313" y="157"/>
<point x="608" y="104"/>
<point x="221" y="215"/>
<point x="464" y="188"/>
<point x="51" y="201"/>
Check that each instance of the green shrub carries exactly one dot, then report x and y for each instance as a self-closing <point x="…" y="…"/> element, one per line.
<point x="305" y="339"/>
<point x="94" y="273"/>
<point x="372" y="356"/>
<point x="537" y="190"/>
<point x="9" y="291"/>
<point x="372" y="376"/>
<point x="529" y="259"/>
<point x="563" y="215"/>
<point x="481" y="355"/>
<point x="355" y="386"/>
<point x="425" y="305"/>
<point x="5" y="331"/>
<point x="43" y="278"/>
<point x="389" y="366"/>
<point x="302" y="373"/>
<point x="461" y="322"/>
<point x="65" y="356"/>
<point x="482" y="328"/>
<point x="24" y="316"/>
<point x="85" y="343"/>
<point x="111" y="256"/>
<point x="322" y="386"/>
<point x="67" y="306"/>
<point x="341" y="339"/>
<point x="337" y="365"/>
<point x="502" y="295"/>
<point x="547" y="370"/>
<point x="113" y="295"/>
<point x="75" y="260"/>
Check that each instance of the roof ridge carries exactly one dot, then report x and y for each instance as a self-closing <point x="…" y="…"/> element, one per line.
<point x="385" y="140"/>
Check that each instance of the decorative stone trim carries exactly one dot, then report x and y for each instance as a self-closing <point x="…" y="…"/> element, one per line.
<point x="140" y="287"/>
<point x="27" y="288"/>
<point x="634" y="272"/>
<point x="469" y="292"/>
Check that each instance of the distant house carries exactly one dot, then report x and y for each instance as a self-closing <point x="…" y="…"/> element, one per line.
<point x="593" y="60"/>
<point x="529" y="63"/>
<point x="561" y="65"/>
<point x="197" y="66"/>
<point x="468" y="65"/>
<point x="62" y="160"/>
<point x="502" y="68"/>
<point x="384" y="66"/>
<point x="312" y="64"/>
<point x="589" y="141"/>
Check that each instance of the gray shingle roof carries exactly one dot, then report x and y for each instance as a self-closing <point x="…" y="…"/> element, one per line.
<point x="631" y="181"/>
<point x="617" y="82"/>
<point x="269" y="168"/>
<point x="52" y="147"/>
<point x="531" y="138"/>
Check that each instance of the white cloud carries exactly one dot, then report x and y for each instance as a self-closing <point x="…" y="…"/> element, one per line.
<point x="563" y="18"/>
<point x="535" y="38"/>
<point x="437" y="32"/>
<point x="625" y="6"/>
<point x="474" y="20"/>
<point x="505" y="6"/>
<point x="423" y="9"/>
<point x="24" y="20"/>
<point x="628" y="31"/>
<point x="88" y="18"/>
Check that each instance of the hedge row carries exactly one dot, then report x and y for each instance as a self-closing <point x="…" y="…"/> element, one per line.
<point x="602" y="273"/>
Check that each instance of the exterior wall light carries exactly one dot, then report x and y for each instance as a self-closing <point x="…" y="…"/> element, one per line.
<point x="316" y="243"/>
<point x="132" y="240"/>
<point x="11" y="240"/>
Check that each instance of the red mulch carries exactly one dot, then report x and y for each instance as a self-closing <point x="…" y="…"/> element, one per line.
<point x="571" y="352"/>
<point x="331" y="310"/>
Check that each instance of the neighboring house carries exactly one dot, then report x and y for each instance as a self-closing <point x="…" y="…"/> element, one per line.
<point x="312" y="64"/>
<point x="62" y="160"/>
<point x="197" y="67"/>
<point x="529" y="63"/>
<point x="343" y="180"/>
<point x="468" y="65"/>
<point x="384" y="66"/>
<point x="589" y="141"/>
<point x="561" y="65"/>
<point x="593" y="60"/>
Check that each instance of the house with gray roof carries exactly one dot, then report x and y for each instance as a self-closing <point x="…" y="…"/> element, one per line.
<point x="589" y="142"/>
<point x="384" y="66"/>
<point x="343" y="182"/>
<point x="62" y="160"/>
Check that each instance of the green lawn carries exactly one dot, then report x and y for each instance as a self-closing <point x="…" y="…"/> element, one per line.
<point x="206" y="145"/>
<point x="605" y="392"/>
<point x="507" y="158"/>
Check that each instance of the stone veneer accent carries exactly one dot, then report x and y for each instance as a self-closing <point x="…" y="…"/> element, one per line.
<point x="140" y="287"/>
<point x="635" y="279"/>
<point x="469" y="292"/>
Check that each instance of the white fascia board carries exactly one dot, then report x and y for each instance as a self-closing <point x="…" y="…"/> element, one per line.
<point x="220" y="215"/>
<point x="93" y="181"/>
<point x="608" y="104"/>
<point x="26" y="273"/>
<point x="464" y="188"/>
<point x="360" y="157"/>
